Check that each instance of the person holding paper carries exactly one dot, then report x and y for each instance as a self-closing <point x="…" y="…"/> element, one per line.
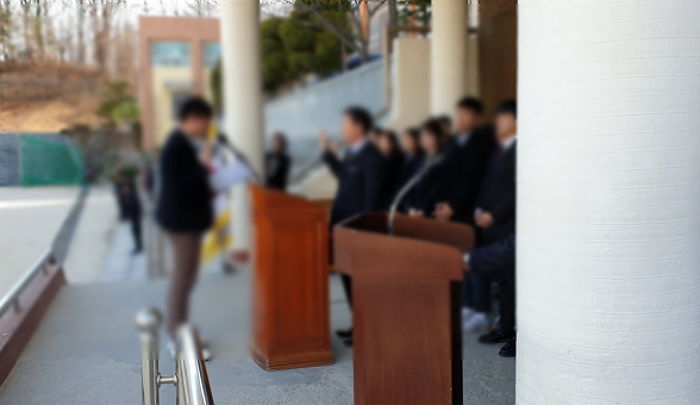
<point x="184" y="206"/>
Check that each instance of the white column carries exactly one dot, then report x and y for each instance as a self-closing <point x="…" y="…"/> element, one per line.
<point x="448" y="50"/>
<point x="240" y="44"/>
<point x="609" y="202"/>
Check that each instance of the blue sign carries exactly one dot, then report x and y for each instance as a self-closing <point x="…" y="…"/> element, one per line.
<point x="170" y="54"/>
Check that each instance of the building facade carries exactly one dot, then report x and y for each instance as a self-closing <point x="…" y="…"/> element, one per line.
<point x="177" y="55"/>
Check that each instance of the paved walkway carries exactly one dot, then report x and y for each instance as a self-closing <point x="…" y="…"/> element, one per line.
<point x="86" y="352"/>
<point x="86" y="349"/>
<point x="93" y="237"/>
<point x="29" y="220"/>
<point x="120" y="263"/>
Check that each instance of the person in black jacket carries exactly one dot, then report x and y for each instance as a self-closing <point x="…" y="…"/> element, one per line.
<point x="467" y="152"/>
<point x="360" y="178"/>
<point x="446" y="125"/>
<point x="413" y="158"/>
<point x="412" y="153"/>
<point x="495" y="218"/>
<point x="495" y="206"/>
<point x="388" y="145"/>
<point x="132" y="206"/>
<point x="277" y="163"/>
<point x="421" y="200"/>
<point x="184" y="207"/>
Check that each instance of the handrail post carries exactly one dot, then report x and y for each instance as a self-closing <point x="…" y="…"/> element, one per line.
<point x="190" y="379"/>
<point x="148" y="322"/>
<point x="193" y="387"/>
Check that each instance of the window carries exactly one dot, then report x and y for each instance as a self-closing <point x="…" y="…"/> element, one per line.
<point x="170" y="54"/>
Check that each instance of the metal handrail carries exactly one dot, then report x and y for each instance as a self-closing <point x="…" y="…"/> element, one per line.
<point x="53" y="255"/>
<point x="193" y="386"/>
<point x="303" y="173"/>
<point x="12" y="298"/>
<point x="191" y="378"/>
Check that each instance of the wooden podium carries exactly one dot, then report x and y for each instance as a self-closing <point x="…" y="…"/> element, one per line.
<point x="406" y="307"/>
<point x="291" y="324"/>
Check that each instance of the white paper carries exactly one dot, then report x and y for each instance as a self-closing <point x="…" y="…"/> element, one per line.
<point x="228" y="174"/>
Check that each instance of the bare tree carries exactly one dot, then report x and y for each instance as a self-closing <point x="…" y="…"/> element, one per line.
<point x="196" y="7"/>
<point x="80" y="26"/>
<point x="201" y="8"/>
<point x="39" y="28"/>
<point x="101" y="13"/>
<point x="6" y="28"/>
<point x="63" y="42"/>
<point x="26" y="27"/>
<point x="49" y="27"/>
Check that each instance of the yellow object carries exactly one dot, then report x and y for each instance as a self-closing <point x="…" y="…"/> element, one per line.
<point x="213" y="132"/>
<point x="219" y="238"/>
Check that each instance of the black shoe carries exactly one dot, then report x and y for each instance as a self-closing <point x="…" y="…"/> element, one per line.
<point x="344" y="333"/>
<point x="495" y="336"/>
<point x="508" y="349"/>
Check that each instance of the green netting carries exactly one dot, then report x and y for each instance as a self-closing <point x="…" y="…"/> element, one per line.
<point x="45" y="162"/>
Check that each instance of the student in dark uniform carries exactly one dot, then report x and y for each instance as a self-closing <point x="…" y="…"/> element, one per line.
<point x="413" y="158"/>
<point x="388" y="145"/>
<point x="184" y="208"/>
<point x="277" y="163"/>
<point x="132" y="206"/>
<point x="495" y="218"/>
<point x="421" y="200"/>
<point x="360" y="177"/>
<point x="446" y="124"/>
<point x="468" y="152"/>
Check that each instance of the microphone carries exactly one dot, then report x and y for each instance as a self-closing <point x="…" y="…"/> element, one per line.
<point x="432" y="162"/>
<point x="223" y="140"/>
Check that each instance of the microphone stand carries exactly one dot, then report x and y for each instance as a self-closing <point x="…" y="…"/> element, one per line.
<point x="257" y="178"/>
<point x="407" y="187"/>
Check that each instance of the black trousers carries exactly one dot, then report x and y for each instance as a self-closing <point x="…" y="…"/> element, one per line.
<point x="506" y="297"/>
<point x="136" y="231"/>
<point x="476" y="292"/>
<point x="347" y="286"/>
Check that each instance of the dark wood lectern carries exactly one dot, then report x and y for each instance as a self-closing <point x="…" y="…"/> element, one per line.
<point x="291" y="325"/>
<point x="407" y="334"/>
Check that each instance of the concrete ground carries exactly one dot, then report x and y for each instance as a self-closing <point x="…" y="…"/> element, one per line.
<point x="120" y="264"/>
<point x="86" y="352"/>
<point x="30" y="217"/>
<point x="86" y="349"/>
<point x="93" y="237"/>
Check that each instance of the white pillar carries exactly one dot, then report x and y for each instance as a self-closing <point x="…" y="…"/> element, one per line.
<point x="240" y="44"/>
<point x="609" y="202"/>
<point x="448" y="50"/>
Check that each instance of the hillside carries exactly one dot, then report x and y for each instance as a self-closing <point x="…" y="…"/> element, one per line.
<point x="47" y="98"/>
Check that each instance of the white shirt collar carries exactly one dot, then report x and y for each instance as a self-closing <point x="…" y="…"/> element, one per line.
<point x="505" y="145"/>
<point x="463" y="138"/>
<point x="358" y="145"/>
